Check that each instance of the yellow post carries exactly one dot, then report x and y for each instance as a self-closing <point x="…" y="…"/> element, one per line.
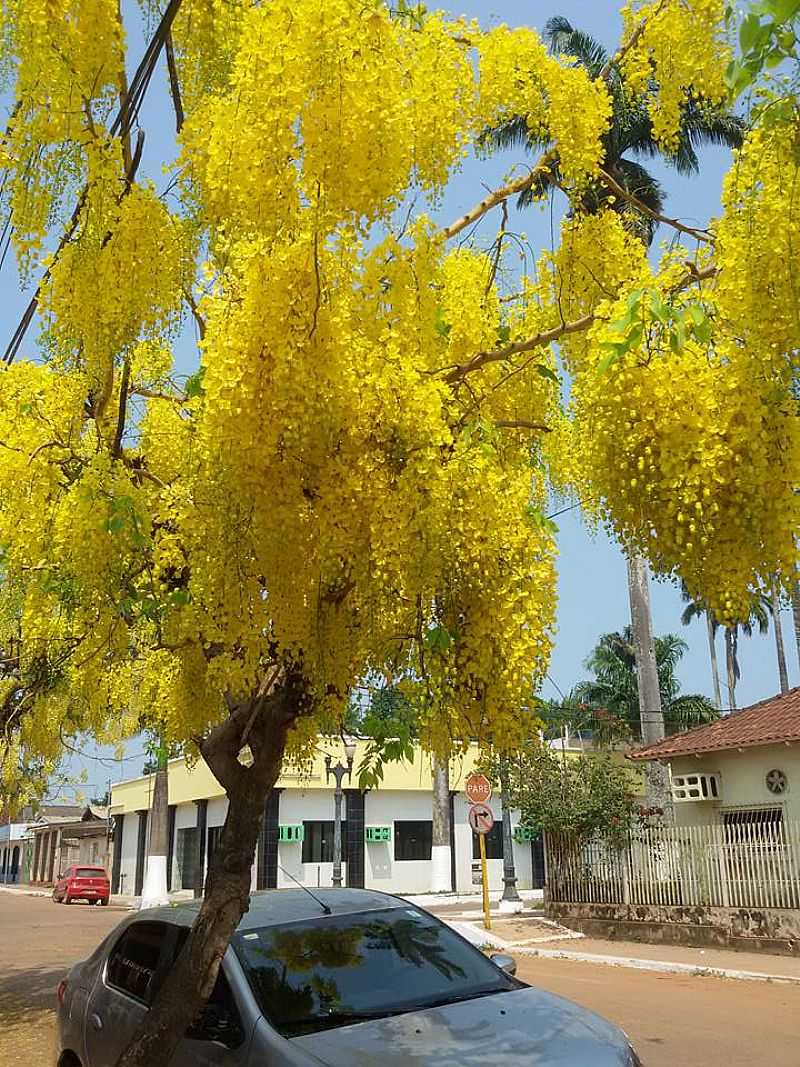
<point x="487" y="918"/>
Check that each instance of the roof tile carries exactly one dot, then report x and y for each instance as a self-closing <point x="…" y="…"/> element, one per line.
<point x="767" y="723"/>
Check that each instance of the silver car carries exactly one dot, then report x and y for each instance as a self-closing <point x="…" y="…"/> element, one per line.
<point x="346" y="978"/>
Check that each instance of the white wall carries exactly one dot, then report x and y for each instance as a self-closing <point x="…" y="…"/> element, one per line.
<point x="381" y="869"/>
<point x="297" y="806"/>
<point x="130" y="836"/>
<point x="743" y="782"/>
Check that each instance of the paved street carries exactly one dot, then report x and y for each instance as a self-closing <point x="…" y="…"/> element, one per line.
<point x="697" y="1022"/>
<point x="40" y="940"/>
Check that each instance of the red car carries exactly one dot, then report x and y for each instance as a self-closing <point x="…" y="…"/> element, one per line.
<point x="82" y="883"/>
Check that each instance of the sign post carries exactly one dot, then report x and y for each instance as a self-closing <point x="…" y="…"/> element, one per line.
<point x="481" y="820"/>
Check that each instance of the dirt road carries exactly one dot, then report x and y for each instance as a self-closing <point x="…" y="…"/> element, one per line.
<point x="40" y="941"/>
<point x="672" y="1019"/>
<point x="694" y="1022"/>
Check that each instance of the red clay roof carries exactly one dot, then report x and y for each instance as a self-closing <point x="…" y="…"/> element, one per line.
<point x="767" y="723"/>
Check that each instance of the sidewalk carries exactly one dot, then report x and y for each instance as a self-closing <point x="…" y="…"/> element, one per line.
<point x="530" y="935"/>
<point x="679" y="957"/>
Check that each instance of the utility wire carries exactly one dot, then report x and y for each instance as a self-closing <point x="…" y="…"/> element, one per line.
<point x="127" y="115"/>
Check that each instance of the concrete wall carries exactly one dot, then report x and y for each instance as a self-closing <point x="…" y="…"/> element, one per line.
<point x="742" y="929"/>
<point x="743" y="782"/>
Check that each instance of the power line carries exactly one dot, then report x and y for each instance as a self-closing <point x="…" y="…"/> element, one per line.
<point x="127" y="114"/>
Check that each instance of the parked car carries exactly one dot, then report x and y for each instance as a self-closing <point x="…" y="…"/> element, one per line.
<point x="82" y="883"/>
<point x="342" y="978"/>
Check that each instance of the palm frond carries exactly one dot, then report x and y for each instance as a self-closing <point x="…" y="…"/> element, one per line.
<point x="690" y="710"/>
<point x="513" y="133"/>
<point x="561" y="36"/>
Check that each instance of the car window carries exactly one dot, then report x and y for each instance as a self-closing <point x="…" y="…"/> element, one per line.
<point x="333" y="970"/>
<point x="221" y="1003"/>
<point x="133" y="963"/>
<point x="89" y="872"/>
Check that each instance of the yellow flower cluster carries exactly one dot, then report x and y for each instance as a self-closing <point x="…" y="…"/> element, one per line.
<point x="130" y="266"/>
<point x="68" y="62"/>
<point x="683" y="50"/>
<point x="341" y="117"/>
<point x="757" y="251"/>
<point x="558" y="100"/>
<point x="688" y="451"/>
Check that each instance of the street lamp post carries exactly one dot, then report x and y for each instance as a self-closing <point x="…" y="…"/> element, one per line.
<point x="510" y="902"/>
<point x="339" y="771"/>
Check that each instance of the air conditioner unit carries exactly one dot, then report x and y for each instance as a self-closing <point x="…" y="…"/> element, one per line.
<point x="690" y="787"/>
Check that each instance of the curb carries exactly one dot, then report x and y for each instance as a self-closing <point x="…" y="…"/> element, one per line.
<point x="695" y="970"/>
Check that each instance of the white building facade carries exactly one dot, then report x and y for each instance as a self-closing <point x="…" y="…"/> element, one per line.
<point x="386" y="832"/>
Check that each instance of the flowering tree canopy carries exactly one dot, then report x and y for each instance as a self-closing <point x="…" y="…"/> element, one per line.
<point x="353" y="481"/>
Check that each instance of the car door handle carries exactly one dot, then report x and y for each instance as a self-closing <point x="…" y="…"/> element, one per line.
<point x="96" y="1021"/>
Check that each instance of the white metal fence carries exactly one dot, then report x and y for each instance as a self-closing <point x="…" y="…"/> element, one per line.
<point x="734" y="865"/>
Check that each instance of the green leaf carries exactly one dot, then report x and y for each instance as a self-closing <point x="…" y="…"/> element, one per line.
<point x="442" y="327"/>
<point x="783" y="10"/>
<point x="546" y="372"/>
<point x="438" y="639"/>
<point x="614" y="353"/>
<point x="503" y="334"/>
<point x="738" y="77"/>
<point x="659" y="308"/>
<point x="750" y="33"/>
<point x="194" y="385"/>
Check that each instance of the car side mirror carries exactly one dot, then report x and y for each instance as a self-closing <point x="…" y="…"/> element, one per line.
<point x="505" y="963"/>
<point x="217" y="1023"/>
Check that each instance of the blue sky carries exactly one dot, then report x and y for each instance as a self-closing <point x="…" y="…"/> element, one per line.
<point x="592" y="581"/>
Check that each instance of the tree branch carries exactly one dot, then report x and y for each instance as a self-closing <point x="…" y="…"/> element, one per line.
<point x="633" y="40"/>
<point x="198" y="318"/>
<point x="116" y="448"/>
<point x="546" y="337"/>
<point x="615" y="187"/>
<point x="539" y="340"/>
<point x="499" y="196"/>
<point x="522" y="424"/>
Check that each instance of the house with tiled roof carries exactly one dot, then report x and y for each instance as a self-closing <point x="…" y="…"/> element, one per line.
<point x="742" y="769"/>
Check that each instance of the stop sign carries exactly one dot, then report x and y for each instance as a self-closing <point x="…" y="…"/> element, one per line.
<point x="478" y="789"/>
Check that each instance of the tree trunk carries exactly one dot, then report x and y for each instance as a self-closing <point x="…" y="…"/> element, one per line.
<point x="154" y="890"/>
<point x="712" y="649"/>
<point x="730" y="664"/>
<point x="441" y="864"/>
<point x="783" y="674"/>
<point x="262" y="723"/>
<point x="652" y="718"/>
<point x="796" y="614"/>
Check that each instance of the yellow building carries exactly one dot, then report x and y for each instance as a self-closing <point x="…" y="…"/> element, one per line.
<point x="387" y="832"/>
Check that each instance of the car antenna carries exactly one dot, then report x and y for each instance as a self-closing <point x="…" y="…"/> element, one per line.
<point x="325" y="907"/>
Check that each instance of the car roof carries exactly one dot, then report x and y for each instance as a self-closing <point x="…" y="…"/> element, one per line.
<point x="273" y="907"/>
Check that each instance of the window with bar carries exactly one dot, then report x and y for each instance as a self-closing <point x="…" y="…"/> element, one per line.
<point x="753" y="825"/>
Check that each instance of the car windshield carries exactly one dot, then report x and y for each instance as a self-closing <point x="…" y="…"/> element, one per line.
<point x="89" y="872"/>
<point x="342" y="969"/>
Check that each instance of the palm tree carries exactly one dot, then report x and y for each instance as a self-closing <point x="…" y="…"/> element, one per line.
<point x="759" y="616"/>
<point x="775" y="604"/>
<point x="630" y="134"/>
<point x="696" y="609"/>
<point x="614" y="689"/>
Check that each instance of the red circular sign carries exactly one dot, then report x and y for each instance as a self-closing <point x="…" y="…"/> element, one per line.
<point x="478" y="789"/>
<point x="481" y="818"/>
